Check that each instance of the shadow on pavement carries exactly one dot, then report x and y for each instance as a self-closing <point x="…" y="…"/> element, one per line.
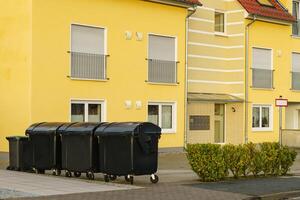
<point x="254" y="186"/>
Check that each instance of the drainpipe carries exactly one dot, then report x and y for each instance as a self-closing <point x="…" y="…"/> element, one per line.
<point x="191" y="11"/>
<point x="246" y="76"/>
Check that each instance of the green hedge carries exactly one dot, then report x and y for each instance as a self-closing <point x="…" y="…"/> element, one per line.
<point x="213" y="162"/>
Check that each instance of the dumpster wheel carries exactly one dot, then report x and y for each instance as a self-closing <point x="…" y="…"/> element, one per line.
<point x="77" y="174"/>
<point x="90" y="175"/>
<point x="68" y="173"/>
<point x="154" y="178"/>
<point x="56" y="172"/>
<point x="129" y="178"/>
<point x="112" y="177"/>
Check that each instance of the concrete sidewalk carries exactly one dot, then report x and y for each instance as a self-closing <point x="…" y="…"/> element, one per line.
<point x="177" y="181"/>
<point x="31" y="185"/>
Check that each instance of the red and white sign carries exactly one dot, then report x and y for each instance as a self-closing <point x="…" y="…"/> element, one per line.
<point x="281" y="102"/>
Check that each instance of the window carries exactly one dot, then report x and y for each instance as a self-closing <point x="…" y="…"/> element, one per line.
<point x="163" y="115"/>
<point x="262" y="73"/>
<point x="219" y="22"/>
<point x="265" y="3"/>
<point x="295" y="71"/>
<point x="199" y="123"/>
<point x="162" y="65"/>
<point x="296" y="11"/>
<point x="88" y="59"/>
<point x="84" y="111"/>
<point x="262" y="117"/>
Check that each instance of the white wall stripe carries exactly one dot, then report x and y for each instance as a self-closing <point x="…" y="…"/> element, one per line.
<point x="216" y="70"/>
<point x="216" y="46"/>
<point x="212" y="9"/>
<point x="214" y="58"/>
<point x="234" y="23"/>
<point x="234" y="11"/>
<point x="217" y="82"/>
<point x="202" y="20"/>
<point x="205" y="8"/>
<point x="213" y="33"/>
<point x="237" y="94"/>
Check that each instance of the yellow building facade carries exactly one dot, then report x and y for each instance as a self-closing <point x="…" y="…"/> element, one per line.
<point x="239" y="54"/>
<point x="93" y="61"/>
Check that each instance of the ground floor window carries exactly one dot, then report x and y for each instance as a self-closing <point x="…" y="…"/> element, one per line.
<point x="199" y="122"/>
<point x="87" y="111"/>
<point x="262" y="117"/>
<point x="163" y="115"/>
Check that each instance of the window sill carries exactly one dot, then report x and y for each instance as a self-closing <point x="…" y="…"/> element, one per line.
<point x="86" y="79"/>
<point x="165" y="132"/>
<point x="266" y="89"/>
<point x="167" y="84"/>
<point x="295" y="36"/>
<point x="295" y="90"/>
<point x="220" y="34"/>
<point x="262" y="130"/>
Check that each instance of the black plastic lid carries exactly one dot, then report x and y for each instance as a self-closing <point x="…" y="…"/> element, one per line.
<point x="82" y="128"/>
<point x="128" y="128"/>
<point x="15" y="138"/>
<point x="45" y="128"/>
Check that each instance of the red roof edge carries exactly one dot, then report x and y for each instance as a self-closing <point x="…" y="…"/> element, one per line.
<point x="277" y="12"/>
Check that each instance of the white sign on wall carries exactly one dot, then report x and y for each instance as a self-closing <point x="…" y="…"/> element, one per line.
<point x="281" y="102"/>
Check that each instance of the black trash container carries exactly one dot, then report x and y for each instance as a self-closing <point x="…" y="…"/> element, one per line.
<point x="128" y="149"/>
<point x="20" y="154"/>
<point x="46" y="143"/>
<point x="80" y="150"/>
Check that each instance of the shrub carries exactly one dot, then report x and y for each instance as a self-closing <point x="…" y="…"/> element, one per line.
<point x="270" y="158"/>
<point x="255" y="159"/>
<point x="287" y="158"/>
<point x="236" y="159"/>
<point x="212" y="162"/>
<point x="207" y="161"/>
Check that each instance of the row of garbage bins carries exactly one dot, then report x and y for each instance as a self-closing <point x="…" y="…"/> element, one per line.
<point x="114" y="149"/>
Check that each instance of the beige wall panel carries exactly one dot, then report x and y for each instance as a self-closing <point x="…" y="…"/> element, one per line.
<point x="211" y="63"/>
<point x="198" y="108"/>
<point x="234" y="123"/>
<point x="233" y="5"/>
<point x="216" y="51"/>
<point x="217" y="4"/>
<point x="200" y="25"/>
<point x="215" y="39"/>
<point x="235" y="29"/>
<point x="236" y="16"/>
<point x="215" y="76"/>
<point x="203" y="13"/>
<point x="215" y="88"/>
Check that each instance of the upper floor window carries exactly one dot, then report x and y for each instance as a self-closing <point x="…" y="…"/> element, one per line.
<point x="262" y="72"/>
<point x="296" y="11"/>
<point x="162" y="65"/>
<point x="295" y="71"/>
<point x="87" y="111"/>
<point x="88" y="59"/>
<point x="219" y="22"/>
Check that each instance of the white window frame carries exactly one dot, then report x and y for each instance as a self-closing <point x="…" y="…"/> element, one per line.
<point x="260" y="106"/>
<point x="225" y="23"/>
<point x="105" y="49"/>
<point x="174" y="114"/>
<point x="86" y="104"/>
